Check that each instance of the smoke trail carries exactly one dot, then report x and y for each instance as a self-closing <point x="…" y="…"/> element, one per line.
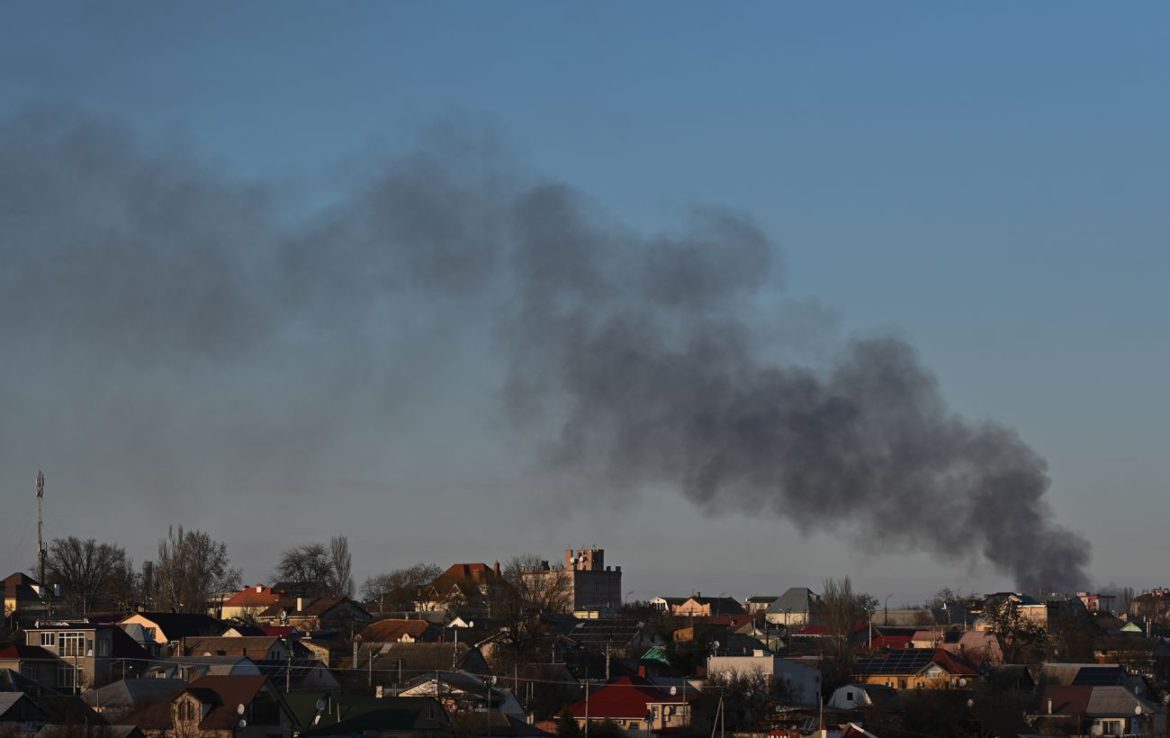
<point x="645" y="354"/>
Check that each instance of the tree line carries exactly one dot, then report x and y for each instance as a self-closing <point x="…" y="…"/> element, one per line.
<point x="192" y="571"/>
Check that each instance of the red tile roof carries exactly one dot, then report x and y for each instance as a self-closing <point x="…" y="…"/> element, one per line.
<point x="249" y="597"/>
<point x="626" y="698"/>
<point x="466" y="573"/>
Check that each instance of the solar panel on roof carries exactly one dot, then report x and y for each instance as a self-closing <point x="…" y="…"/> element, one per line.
<point x="1093" y="676"/>
<point x="903" y="661"/>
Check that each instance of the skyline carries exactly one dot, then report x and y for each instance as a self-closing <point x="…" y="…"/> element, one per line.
<point x="1005" y="225"/>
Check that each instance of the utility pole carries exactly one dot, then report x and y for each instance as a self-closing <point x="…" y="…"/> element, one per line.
<point x="40" y="536"/>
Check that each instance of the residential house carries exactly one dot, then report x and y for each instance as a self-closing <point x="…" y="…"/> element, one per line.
<point x="249" y="602"/>
<point x="800" y="683"/>
<point x="20" y="714"/>
<point x="392" y="665"/>
<point x="915" y="668"/>
<point x="759" y="603"/>
<point x="698" y="606"/>
<point x="864" y="697"/>
<point x="1096" y="602"/>
<point x="1149" y="657"/>
<point x="797" y="606"/>
<point x="161" y="633"/>
<point x="1099" y="710"/>
<point x="637" y="706"/>
<point x="118" y="699"/>
<point x="33" y="662"/>
<point x="220" y="707"/>
<point x="470" y="587"/>
<point x="23" y="597"/>
<point x="88" y="655"/>
<point x="190" y="668"/>
<point x="394" y="630"/>
<point x="666" y="604"/>
<point x="370" y="717"/>
<point x="333" y="613"/>
<point x="255" y="647"/>
<point x="463" y="692"/>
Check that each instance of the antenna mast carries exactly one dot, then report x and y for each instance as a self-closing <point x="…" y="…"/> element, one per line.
<point x="40" y="531"/>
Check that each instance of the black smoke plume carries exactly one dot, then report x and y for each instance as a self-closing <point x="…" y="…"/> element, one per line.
<point x="633" y="360"/>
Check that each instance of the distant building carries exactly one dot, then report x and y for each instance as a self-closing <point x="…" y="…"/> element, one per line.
<point x="698" y="606"/>
<point x="588" y="583"/>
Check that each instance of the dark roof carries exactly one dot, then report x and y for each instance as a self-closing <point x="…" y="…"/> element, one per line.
<point x="595" y="635"/>
<point x="477" y="574"/>
<point x="255" y="646"/>
<point x="20" y="585"/>
<point x="21" y="651"/>
<point x="178" y="625"/>
<point x="911" y="661"/>
<point x="224" y="693"/>
<point x="135" y="693"/>
<point x="391" y="630"/>
<point x="795" y="599"/>
<point x="388" y="713"/>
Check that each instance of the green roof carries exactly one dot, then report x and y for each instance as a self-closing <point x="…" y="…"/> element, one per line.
<point x="656" y="653"/>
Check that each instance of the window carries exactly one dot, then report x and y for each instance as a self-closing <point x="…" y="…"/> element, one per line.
<point x="1111" y="727"/>
<point x="68" y="676"/>
<point x="849" y="695"/>
<point x="70" y="644"/>
<point x="103" y="647"/>
<point x="48" y="639"/>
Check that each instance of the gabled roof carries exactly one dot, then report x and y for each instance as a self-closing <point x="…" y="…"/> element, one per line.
<point x="135" y="693"/>
<point x="257" y="596"/>
<point x="256" y="646"/>
<point x="311" y="608"/>
<point x="911" y="661"/>
<point x="392" y="630"/>
<point x="223" y="693"/>
<point x="627" y="698"/>
<point x="21" y="652"/>
<point x="21" y="586"/>
<point x="177" y="625"/>
<point x="795" y="599"/>
<point x="477" y="574"/>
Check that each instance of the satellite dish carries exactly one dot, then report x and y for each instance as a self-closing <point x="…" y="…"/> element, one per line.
<point x="470" y="623"/>
<point x="240" y="709"/>
<point x="243" y="723"/>
<point x="1137" y="710"/>
<point x="320" y="705"/>
<point x="673" y="691"/>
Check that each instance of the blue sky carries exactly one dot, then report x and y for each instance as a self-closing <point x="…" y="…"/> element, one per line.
<point x="989" y="181"/>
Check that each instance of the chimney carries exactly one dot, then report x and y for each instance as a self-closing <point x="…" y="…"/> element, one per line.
<point x="259" y="588"/>
<point x="642" y="670"/>
<point x="300" y="603"/>
<point x="497" y="568"/>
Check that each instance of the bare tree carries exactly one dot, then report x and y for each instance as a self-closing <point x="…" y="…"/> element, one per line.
<point x="90" y="573"/>
<point x="317" y="570"/>
<point x="192" y="569"/>
<point x="341" y="566"/>
<point x="396" y="590"/>
<point x="527" y="595"/>
<point x="842" y="610"/>
<point x="306" y="569"/>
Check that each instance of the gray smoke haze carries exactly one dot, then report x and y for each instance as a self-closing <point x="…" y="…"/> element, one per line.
<point x="625" y="359"/>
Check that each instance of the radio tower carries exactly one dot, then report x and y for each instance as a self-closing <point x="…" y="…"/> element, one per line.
<point x="40" y="531"/>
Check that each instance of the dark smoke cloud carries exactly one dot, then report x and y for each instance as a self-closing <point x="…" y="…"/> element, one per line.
<point x="633" y="360"/>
